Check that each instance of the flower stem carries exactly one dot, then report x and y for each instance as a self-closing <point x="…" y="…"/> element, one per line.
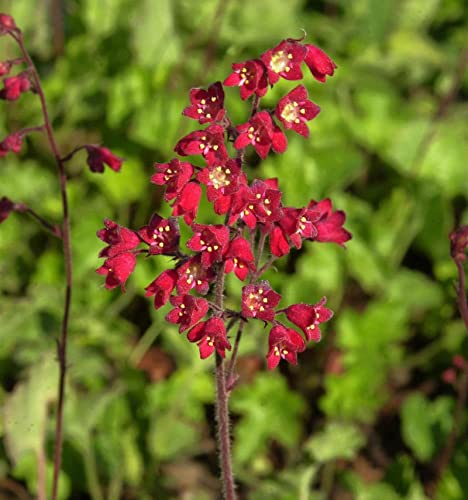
<point x="66" y="240"/>
<point x="461" y="294"/>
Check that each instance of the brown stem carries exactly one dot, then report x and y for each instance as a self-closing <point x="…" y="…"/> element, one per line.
<point x="51" y="228"/>
<point x="62" y="342"/>
<point x="461" y="294"/>
<point x="222" y="409"/>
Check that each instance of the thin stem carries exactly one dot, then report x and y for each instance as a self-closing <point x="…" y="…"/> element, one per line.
<point x="461" y="294"/>
<point x="232" y="361"/>
<point x="51" y="228"/>
<point x="66" y="239"/>
<point x="261" y="245"/>
<point x="222" y="409"/>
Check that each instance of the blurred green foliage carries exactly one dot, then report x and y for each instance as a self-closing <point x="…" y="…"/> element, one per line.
<point x="365" y="412"/>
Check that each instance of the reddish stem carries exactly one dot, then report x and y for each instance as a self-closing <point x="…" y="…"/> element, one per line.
<point x="62" y="342"/>
<point x="461" y="294"/>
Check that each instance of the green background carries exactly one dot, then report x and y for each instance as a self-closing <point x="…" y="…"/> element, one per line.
<point x="365" y="414"/>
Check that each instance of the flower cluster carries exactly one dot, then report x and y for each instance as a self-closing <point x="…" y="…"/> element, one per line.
<point x="257" y="227"/>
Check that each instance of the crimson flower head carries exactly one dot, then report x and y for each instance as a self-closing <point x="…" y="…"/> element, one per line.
<point x="6" y="207"/>
<point x="308" y="317"/>
<point x="162" y="235"/>
<point x="117" y="270"/>
<point x="188" y="311"/>
<point x="187" y="202"/>
<point x="174" y="175"/>
<point x="328" y="224"/>
<point x="14" y="86"/>
<point x="192" y="274"/>
<point x="208" y="142"/>
<point x="239" y="258"/>
<point x="319" y="63"/>
<point x="284" y="61"/>
<point x="250" y="76"/>
<point x="259" y="301"/>
<point x="220" y="179"/>
<point x="294" y="109"/>
<point x="162" y="287"/>
<point x="5" y="67"/>
<point x="210" y="335"/>
<point x="11" y="143"/>
<point x="459" y="243"/>
<point x="211" y="240"/>
<point x="262" y="133"/>
<point x="7" y="24"/>
<point x="100" y="156"/>
<point x="207" y="105"/>
<point x="284" y="343"/>
<point x="119" y="238"/>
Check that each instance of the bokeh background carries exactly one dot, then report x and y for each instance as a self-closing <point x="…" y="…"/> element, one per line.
<point x="366" y="413"/>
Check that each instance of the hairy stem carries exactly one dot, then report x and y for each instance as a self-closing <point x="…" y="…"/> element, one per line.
<point x="222" y="409"/>
<point x="66" y="240"/>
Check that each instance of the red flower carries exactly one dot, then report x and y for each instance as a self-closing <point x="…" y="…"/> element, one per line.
<point x="188" y="311"/>
<point x="327" y="223"/>
<point x="283" y="343"/>
<point x="5" y="67"/>
<point x="12" y="142"/>
<point x="187" y="201"/>
<point x="250" y="76"/>
<point x="459" y="243"/>
<point x="239" y="258"/>
<point x="207" y="105"/>
<point x="208" y="142"/>
<point x="100" y="156"/>
<point x="117" y="270"/>
<point x="319" y="63"/>
<point x="284" y="60"/>
<point x="294" y="109"/>
<point x="308" y="317"/>
<point x="279" y="244"/>
<point x="162" y="287"/>
<point x="211" y="241"/>
<point x="174" y="175"/>
<point x="210" y="335"/>
<point x="7" y="23"/>
<point x="259" y="301"/>
<point x="6" y="207"/>
<point x="192" y="274"/>
<point x="14" y="86"/>
<point x="220" y="179"/>
<point x="162" y="235"/>
<point x="262" y="133"/>
<point x="119" y="238"/>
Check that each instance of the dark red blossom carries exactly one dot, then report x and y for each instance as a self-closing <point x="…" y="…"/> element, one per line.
<point x="250" y="76"/>
<point x="319" y="63"/>
<point x="7" y="24"/>
<point x="210" y="335"/>
<point x="283" y="343"/>
<point x="459" y="243"/>
<point x="100" y="156"/>
<point x="259" y="301"/>
<point x="284" y="61"/>
<point x="279" y="244"/>
<point x="117" y="270"/>
<point x="221" y="179"/>
<point x="162" y="235"/>
<point x="119" y="238"/>
<point x="188" y="311"/>
<point x="11" y="143"/>
<point x="191" y="274"/>
<point x="207" y="105"/>
<point x="262" y="133"/>
<point x="14" y="86"/>
<point x="294" y="109"/>
<point x="211" y="240"/>
<point x="187" y="202"/>
<point x="329" y="224"/>
<point x="174" y="175"/>
<point x="162" y="287"/>
<point x="6" y="207"/>
<point x="239" y="258"/>
<point x="308" y="317"/>
<point x="208" y="142"/>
